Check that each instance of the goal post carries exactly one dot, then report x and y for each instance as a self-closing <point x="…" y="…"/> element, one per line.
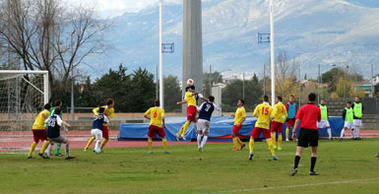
<point x="23" y="93"/>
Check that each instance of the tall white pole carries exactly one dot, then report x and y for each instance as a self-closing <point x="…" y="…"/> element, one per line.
<point x="372" y="81"/>
<point x="272" y="53"/>
<point x="46" y="88"/>
<point x="160" y="56"/>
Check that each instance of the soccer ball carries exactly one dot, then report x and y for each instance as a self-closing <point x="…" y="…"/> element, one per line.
<point x="190" y="82"/>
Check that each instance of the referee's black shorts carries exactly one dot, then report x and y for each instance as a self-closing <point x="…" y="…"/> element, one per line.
<point x="308" y="137"/>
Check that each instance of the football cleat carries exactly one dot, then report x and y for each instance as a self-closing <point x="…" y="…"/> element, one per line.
<point x="150" y="152"/>
<point x="183" y="137"/>
<point x="59" y="155"/>
<point x="70" y="157"/>
<point x="274" y="158"/>
<point x="313" y="173"/>
<point x="43" y="156"/>
<point x="167" y="152"/>
<point x="293" y="172"/>
<point x="85" y="149"/>
<point x="251" y="156"/>
<point x="242" y="146"/>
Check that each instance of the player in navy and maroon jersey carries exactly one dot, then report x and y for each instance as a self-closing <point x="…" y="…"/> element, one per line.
<point x="309" y="115"/>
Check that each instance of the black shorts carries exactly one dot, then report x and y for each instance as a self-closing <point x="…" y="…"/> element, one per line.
<point x="308" y="137"/>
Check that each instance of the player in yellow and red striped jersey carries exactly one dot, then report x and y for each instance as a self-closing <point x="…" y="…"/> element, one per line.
<point x="39" y="130"/>
<point x="263" y="112"/>
<point x="279" y="116"/>
<point x="109" y="112"/>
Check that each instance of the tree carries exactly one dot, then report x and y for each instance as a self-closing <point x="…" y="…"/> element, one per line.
<point x="333" y="76"/>
<point x="233" y="91"/>
<point x="142" y="93"/>
<point x="344" y="88"/>
<point x="116" y="85"/>
<point x="285" y="77"/>
<point x="172" y="93"/>
<point x="45" y="36"/>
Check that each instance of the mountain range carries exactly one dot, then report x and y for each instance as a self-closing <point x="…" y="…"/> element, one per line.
<point x="311" y="32"/>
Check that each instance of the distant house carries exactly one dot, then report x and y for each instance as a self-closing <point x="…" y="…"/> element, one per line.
<point x="366" y="85"/>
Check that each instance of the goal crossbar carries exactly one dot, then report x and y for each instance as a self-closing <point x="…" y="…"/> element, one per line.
<point x="45" y="80"/>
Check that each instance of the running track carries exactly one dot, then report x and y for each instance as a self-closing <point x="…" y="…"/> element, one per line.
<point x="21" y="140"/>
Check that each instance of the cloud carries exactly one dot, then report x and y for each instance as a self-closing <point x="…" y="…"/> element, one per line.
<point x="112" y="8"/>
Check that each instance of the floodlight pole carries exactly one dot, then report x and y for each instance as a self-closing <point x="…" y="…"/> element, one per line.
<point x="72" y="95"/>
<point x="243" y="86"/>
<point x="372" y="81"/>
<point x="161" y="100"/>
<point x="272" y="53"/>
<point x="318" y="86"/>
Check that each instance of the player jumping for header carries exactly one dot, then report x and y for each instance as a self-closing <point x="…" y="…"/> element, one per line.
<point x="205" y="112"/>
<point x="190" y="99"/>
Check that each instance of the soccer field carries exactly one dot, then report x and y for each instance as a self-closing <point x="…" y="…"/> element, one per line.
<point x="344" y="166"/>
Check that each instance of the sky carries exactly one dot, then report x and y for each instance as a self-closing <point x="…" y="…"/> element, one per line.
<point x="112" y="8"/>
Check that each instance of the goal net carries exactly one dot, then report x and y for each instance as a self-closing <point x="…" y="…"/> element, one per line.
<point x="22" y="95"/>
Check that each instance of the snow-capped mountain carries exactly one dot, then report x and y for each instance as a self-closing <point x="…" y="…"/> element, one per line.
<point x="312" y="32"/>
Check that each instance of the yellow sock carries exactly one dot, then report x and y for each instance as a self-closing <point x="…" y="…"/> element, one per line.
<point x="32" y="147"/>
<point x="239" y="141"/>
<point x="184" y="128"/>
<point x="273" y="138"/>
<point x="280" y="138"/>
<point x="287" y="132"/>
<point x="150" y="144"/>
<point x="90" y="142"/>
<point x="44" y="147"/>
<point x="164" y="141"/>
<point x="105" y="141"/>
<point x="271" y="146"/>
<point x="235" y="142"/>
<point x="251" y="144"/>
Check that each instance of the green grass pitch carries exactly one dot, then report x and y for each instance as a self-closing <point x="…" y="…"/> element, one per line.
<point x="344" y="166"/>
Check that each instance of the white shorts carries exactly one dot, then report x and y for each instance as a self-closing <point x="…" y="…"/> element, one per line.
<point x="348" y="125"/>
<point x="203" y="125"/>
<point x="357" y="122"/>
<point x="323" y="124"/>
<point x="97" y="133"/>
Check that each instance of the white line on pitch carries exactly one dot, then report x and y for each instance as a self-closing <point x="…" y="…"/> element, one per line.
<point x="303" y="185"/>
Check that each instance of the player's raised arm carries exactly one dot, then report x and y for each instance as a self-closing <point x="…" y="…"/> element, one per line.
<point x="181" y="102"/>
<point x="63" y="123"/>
<point x="96" y="111"/>
<point x="201" y="91"/>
